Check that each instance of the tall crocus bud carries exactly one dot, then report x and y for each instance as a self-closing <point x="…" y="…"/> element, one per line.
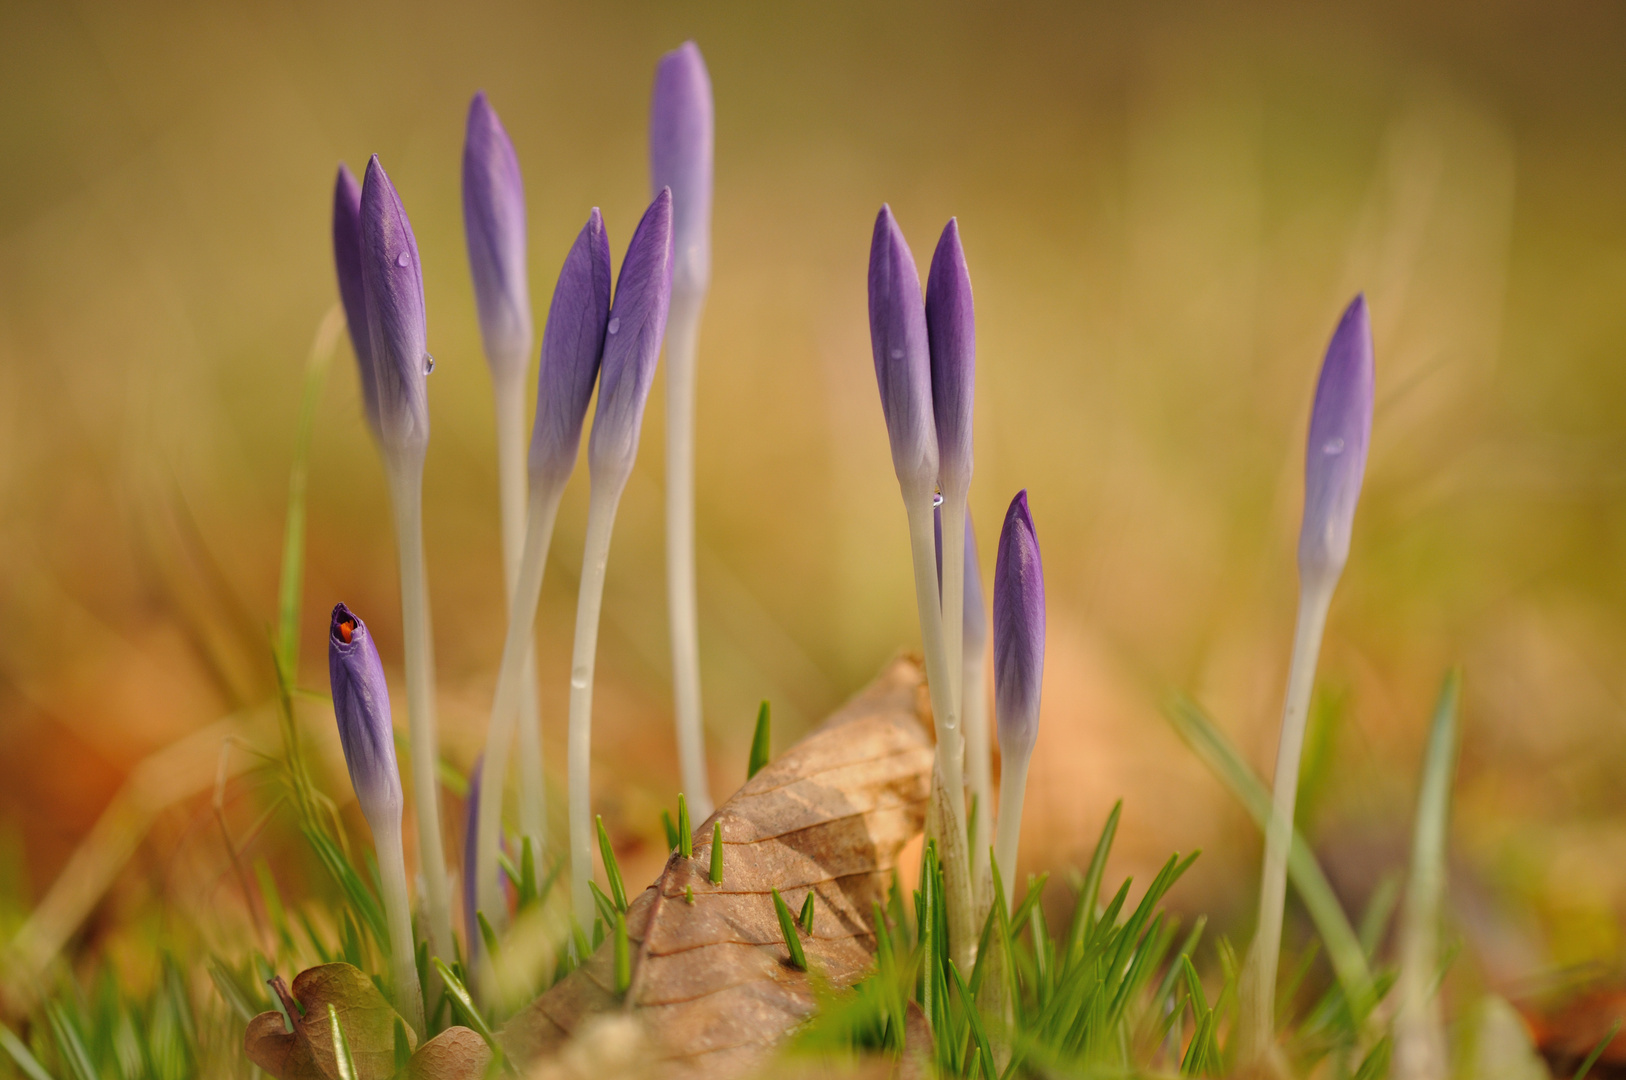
<point x="1019" y="617"/>
<point x="393" y="278"/>
<point x="951" y="328"/>
<point x="1335" y="460"/>
<point x="572" y="343"/>
<point x="898" y="337"/>
<point x="352" y="293"/>
<point x="632" y="344"/>
<point x="361" y="703"/>
<point x="680" y="158"/>
<point x="494" y="225"/>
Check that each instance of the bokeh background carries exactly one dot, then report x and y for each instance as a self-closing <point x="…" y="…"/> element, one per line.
<point x="1165" y="208"/>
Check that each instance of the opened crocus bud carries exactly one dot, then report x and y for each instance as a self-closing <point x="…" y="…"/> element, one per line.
<point x="632" y="343"/>
<point x="494" y="226"/>
<point x="680" y="158"/>
<point x="1019" y="618"/>
<point x="572" y="343"/>
<point x="347" y="261"/>
<point x="1335" y="460"/>
<point x="399" y="333"/>
<point x="898" y="337"/>
<point x="951" y="328"/>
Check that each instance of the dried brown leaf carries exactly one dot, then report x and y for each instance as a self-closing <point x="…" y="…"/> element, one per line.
<point x="306" y="1053"/>
<point x="458" y="1053"/>
<point x="712" y="980"/>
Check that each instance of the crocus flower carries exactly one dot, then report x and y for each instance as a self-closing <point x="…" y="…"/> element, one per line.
<point x="632" y="345"/>
<point x="951" y="328"/>
<point x="494" y="226"/>
<point x="361" y="702"/>
<point x="572" y="343"/>
<point x="898" y="337"/>
<point x="680" y="158"/>
<point x="1335" y="460"/>
<point x="347" y="261"/>
<point x="393" y="278"/>
<point x="1019" y="627"/>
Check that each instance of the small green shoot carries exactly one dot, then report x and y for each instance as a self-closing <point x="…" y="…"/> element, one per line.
<point x="685" y="832"/>
<point x="805" y="919"/>
<point x="487" y="935"/>
<point x="341" y="1046"/>
<point x="623" y="955"/>
<point x="759" y="742"/>
<point x="612" y="869"/>
<point x="1597" y="1051"/>
<point x="671" y="831"/>
<point x="688" y="895"/>
<point x="717" y="853"/>
<point x="787" y="926"/>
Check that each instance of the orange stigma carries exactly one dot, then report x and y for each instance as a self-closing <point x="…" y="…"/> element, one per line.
<point x="346" y="628"/>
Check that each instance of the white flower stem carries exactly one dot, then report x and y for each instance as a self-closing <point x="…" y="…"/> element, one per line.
<point x="511" y="478"/>
<point x="1013" y="783"/>
<point x="950" y="740"/>
<point x="406" y="491"/>
<point x="1258" y="1019"/>
<point x="953" y="517"/>
<point x="601" y="506"/>
<point x="979" y="773"/>
<point x="544" y="507"/>
<point x="398" y="913"/>
<point x="682" y="333"/>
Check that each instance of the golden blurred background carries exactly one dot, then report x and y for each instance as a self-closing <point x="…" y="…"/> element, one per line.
<point x="1165" y="208"/>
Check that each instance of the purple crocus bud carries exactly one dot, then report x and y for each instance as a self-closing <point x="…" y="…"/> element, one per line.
<point x="975" y="635"/>
<point x="680" y="157"/>
<point x="1335" y="460"/>
<point x="951" y="328"/>
<point x="393" y="278"/>
<point x="1018" y="631"/>
<point x="347" y="260"/>
<point x="494" y="225"/>
<point x="361" y="702"/>
<point x="897" y="333"/>
<point x="632" y="343"/>
<point x="572" y="343"/>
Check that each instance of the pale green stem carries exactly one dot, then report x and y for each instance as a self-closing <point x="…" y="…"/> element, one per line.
<point x="1258" y="1019"/>
<point x="511" y="479"/>
<point x="601" y="506"/>
<point x="979" y="774"/>
<point x="1013" y="783"/>
<point x="950" y="739"/>
<point x="682" y="332"/>
<point x="544" y="507"/>
<point x="953" y="517"/>
<point x="398" y="913"/>
<point x="406" y="491"/>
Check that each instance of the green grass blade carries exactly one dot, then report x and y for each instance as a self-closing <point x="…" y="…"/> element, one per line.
<point x="606" y="906"/>
<point x="1090" y="895"/>
<point x="623" y="955"/>
<point x="20" y="1054"/>
<point x="759" y="742"/>
<point x="716" y="873"/>
<point x="805" y="919"/>
<point x="70" y="1045"/>
<point x="612" y="869"/>
<point x="341" y="1045"/>
<point x="1597" y="1051"/>
<point x="671" y="831"/>
<point x="787" y="926"/>
<point x="463" y="1003"/>
<point x="685" y="830"/>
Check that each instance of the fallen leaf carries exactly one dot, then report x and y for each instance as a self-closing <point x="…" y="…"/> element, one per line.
<point x="306" y="1053"/>
<point x="458" y="1053"/>
<point x="712" y="980"/>
<point x="1567" y="1036"/>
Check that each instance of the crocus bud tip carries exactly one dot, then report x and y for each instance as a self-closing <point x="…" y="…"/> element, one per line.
<point x="1019" y="630"/>
<point x="1335" y="458"/>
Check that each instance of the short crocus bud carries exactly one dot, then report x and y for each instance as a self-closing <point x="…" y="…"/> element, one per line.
<point x="680" y="158"/>
<point x="1018" y="632"/>
<point x="347" y="261"/>
<point x="1335" y="460"/>
<point x="897" y="331"/>
<point x="632" y="344"/>
<point x="951" y="328"/>
<point x="361" y="702"/>
<point x="572" y="343"/>
<point x="393" y="278"/>
<point x="494" y="226"/>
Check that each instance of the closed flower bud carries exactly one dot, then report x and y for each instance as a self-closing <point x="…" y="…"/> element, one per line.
<point x="494" y="226"/>
<point x="897" y="331"/>
<point x="1335" y="460"/>
<point x="1018" y="631"/>
<point x="951" y="328"/>
<point x="352" y="293"/>
<point x="572" y="343"/>
<point x="680" y="158"/>
<point x="632" y="343"/>
<point x="361" y="703"/>
<point x="393" y="278"/>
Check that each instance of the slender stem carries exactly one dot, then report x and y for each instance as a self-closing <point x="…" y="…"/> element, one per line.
<point x="406" y="491"/>
<point x="682" y="333"/>
<point x="601" y="508"/>
<point x="1013" y="783"/>
<point x="974" y="706"/>
<point x="511" y="478"/>
<point x="1258" y="1017"/>
<point x="544" y="507"/>
<point x="953" y="515"/>
<point x="950" y="740"/>
<point x="398" y="912"/>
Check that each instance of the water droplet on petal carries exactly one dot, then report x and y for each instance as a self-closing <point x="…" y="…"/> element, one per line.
<point x="937" y="498"/>
<point x="1333" y="446"/>
<point x="615" y="324"/>
<point x="428" y="363"/>
<point x="897" y="354"/>
<point x="403" y="259"/>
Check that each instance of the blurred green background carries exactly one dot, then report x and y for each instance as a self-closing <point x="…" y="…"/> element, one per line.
<point x="1165" y="207"/>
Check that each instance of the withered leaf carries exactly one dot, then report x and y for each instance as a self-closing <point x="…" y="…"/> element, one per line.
<point x="712" y="980"/>
<point x="306" y="1053"/>
<point x="458" y="1053"/>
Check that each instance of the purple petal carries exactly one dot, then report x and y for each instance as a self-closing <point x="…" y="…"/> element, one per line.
<point x="680" y="158"/>
<point x="1335" y="460"/>
<point x="494" y="225"/>
<point x="1018" y="631"/>
<point x="632" y="343"/>
<point x="951" y="327"/>
<point x="393" y="278"/>
<point x="353" y="294"/>
<point x="897" y="333"/>
<point x="361" y="703"/>
<point x="572" y="343"/>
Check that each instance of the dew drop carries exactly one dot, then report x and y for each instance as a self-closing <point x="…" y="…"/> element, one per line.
<point x="615" y="324"/>
<point x="897" y="354"/>
<point x="1333" y="446"/>
<point x="937" y="498"/>
<point x="428" y="363"/>
<point x="403" y="259"/>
